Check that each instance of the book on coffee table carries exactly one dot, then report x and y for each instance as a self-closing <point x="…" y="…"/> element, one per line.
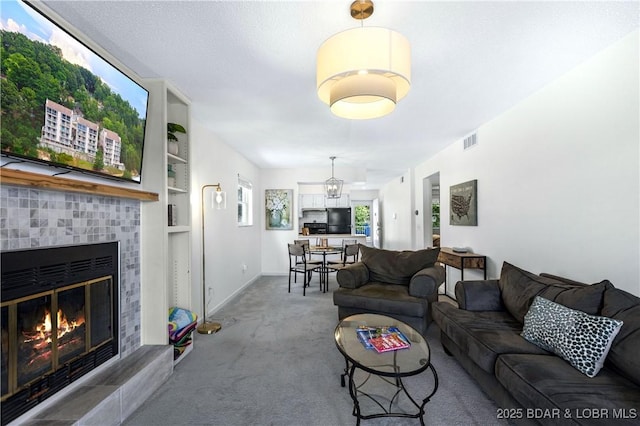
<point x="382" y="339"/>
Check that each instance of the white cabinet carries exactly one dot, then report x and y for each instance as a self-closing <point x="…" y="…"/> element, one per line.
<point x="343" y="201"/>
<point x="305" y="201"/>
<point x="166" y="250"/>
<point x="320" y="201"/>
<point x="312" y="201"/>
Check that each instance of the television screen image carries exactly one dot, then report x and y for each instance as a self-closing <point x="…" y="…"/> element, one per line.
<point x="62" y="104"/>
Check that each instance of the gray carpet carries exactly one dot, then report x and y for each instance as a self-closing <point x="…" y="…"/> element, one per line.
<point x="275" y="363"/>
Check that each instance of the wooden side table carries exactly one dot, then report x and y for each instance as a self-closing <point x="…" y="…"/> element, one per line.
<point x="462" y="261"/>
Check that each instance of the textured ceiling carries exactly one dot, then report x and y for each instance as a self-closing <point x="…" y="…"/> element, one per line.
<point x="249" y="68"/>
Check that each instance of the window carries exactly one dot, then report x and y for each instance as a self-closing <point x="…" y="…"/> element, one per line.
<point x="362" y="219"/>
<point x="245" y="202"/>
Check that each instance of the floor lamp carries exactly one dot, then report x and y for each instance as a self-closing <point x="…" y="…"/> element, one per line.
<point x="219" y="202"/>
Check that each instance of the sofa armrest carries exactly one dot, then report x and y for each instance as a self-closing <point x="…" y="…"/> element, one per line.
<point x="353" y="276"/>
<point x="425" y="282"/>
<point x="481" y="295"/>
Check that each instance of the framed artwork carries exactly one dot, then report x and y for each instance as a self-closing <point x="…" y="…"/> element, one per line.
<point x="279" y="209"/>
<point x="464" y="204"/>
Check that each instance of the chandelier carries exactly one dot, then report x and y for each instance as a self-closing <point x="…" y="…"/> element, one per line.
<point x="363" y="72"/>
<point x="333" y="186"/>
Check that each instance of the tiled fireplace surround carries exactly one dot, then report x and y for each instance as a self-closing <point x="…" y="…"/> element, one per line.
<point x="35" y="218"/>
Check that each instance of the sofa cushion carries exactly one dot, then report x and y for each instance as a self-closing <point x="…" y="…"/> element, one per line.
<point x="547" y="382"/>
<point x="382" y="297"/>
<point x="484" y="335"/>
<point x="623" y="355"/>
<point x="581" y="339"/>
<point x="519" y="287"/>
<point x="396" y="267"/>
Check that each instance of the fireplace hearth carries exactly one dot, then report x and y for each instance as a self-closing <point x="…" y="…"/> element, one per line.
<point x="59" y="313"/>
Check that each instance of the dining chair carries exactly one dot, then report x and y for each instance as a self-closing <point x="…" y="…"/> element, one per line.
<point x="347" y="241"/>
<point x="298" y="265"/>
<point x="310" y="259"/>
<point x="350" y="255"/>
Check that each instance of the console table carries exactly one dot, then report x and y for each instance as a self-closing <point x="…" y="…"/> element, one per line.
<point x="462" y="261"/>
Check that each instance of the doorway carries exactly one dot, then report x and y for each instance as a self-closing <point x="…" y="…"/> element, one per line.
<point x="362" y="213"/>
<point x="431" y="208"/>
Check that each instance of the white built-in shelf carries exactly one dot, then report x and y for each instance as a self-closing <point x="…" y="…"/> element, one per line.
<point x="174" y="159"/>
<point x="186" y="351"/>
<point x="174" y="190"/>
<point x="177" y="229"/>
<point x="167" y="274"/>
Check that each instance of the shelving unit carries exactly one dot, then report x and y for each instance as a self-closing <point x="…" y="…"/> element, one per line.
<point x="166" y="273"/>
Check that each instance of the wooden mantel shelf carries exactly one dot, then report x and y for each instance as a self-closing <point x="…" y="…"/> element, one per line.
<point x="24" y="178"/>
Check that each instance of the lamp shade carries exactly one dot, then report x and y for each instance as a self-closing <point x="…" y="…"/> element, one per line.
<point x="363" y="72"/>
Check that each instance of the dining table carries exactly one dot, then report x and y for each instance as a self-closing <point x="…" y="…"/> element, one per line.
<point x="324" y="268"/>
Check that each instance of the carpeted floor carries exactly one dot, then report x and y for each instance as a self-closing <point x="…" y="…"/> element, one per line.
<point x="275" y="363"/>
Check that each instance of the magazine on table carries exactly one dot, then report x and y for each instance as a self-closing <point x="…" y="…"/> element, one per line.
<point x="382" y="339"/>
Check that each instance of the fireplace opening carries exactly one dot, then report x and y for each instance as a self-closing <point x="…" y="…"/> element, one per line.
<point x="59" y="320"/>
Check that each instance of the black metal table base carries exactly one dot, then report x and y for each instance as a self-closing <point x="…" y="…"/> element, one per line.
<point x="324" y="277"/>
<point x="354" y="390"/>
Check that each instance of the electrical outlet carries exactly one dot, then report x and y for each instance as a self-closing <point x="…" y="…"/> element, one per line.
<point x="244" y="267"/>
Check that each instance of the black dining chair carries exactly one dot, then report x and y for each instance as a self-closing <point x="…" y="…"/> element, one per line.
<point x="345" y="242"/>
<point x="310" y="259"/>
<point x="298" y="265"/>
<point x="350" y="255"/>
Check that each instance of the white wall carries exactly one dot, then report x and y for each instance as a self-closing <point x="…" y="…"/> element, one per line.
<point x="396" y="207"/>
<point x="558" y="178"/>
<point x="363" y="194"/>
<point x="275" y="258"/>
<point x="227" y="246"/>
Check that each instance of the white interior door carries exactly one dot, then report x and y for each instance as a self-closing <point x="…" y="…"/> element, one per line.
<point x="430" y="196"/>
<point x="377" y="224"/>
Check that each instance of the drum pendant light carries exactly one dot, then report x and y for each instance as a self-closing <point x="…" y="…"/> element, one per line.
<point x="363" y="72"/>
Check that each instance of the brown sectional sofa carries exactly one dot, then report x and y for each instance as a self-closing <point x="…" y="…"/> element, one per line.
<point x="528" y="383"/>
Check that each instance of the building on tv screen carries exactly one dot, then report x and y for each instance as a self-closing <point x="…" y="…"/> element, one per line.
<point x="66" y="131"/>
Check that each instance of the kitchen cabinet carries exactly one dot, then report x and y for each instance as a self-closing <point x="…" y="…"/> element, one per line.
<point x="343" y="201"/>
<point x="320" y="201"/>
<point x="312" y="201"/>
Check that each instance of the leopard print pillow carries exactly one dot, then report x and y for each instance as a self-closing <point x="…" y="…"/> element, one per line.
<point x="581" y="339"/>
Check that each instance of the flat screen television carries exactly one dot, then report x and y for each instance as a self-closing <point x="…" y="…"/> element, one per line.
<point x="64" y="105"/>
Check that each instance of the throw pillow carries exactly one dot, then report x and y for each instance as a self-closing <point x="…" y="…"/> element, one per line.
<point x="581" y="339"/>
<point x="623" y="356"/>
<point x="396" y="267"/>
<point x="518" y="288"/>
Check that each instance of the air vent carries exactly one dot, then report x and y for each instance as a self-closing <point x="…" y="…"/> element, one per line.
<point x="79" y="266"/>
<point x="104" y="262"/>
<point x="53" y="274"/>
<point x="470" y="141"/>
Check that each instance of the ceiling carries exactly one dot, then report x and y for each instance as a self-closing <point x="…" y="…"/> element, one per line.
<point x="249" y="68"/>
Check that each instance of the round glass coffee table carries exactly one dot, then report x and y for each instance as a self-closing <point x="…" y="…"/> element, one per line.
<point x="391" y="366"/>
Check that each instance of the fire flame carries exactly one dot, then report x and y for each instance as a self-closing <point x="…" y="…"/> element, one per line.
<point x="42" y="331"/>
